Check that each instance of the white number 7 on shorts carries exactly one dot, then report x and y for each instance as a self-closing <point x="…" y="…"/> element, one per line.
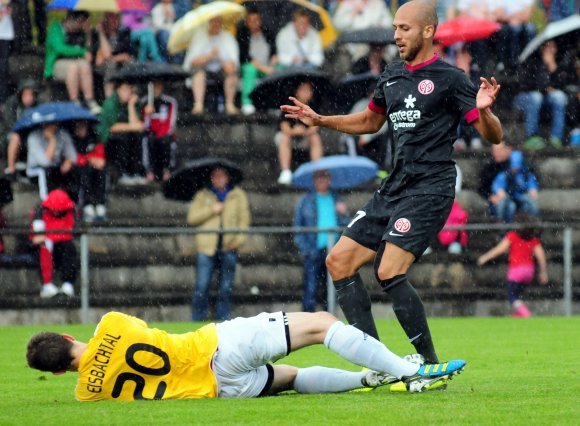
<point x="359" y="215"/>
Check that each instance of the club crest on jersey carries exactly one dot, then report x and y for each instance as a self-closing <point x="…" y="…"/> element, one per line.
<point x="425" y="87"/>
<point x="403" y="225"/>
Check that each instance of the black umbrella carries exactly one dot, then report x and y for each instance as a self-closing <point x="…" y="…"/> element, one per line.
<point x="354" y="87"/>
<point x="144" y="72"/>
<point x="277" y="13"/>
<point x="274" y="89"/>
<point x="372" y="35"/>
<point x="195" y="175"/>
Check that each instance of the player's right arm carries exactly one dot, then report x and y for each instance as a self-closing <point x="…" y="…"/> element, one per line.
<point x="359" y="123"/>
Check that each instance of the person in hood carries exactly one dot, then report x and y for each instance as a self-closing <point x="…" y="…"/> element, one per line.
<point x="516" y="190"/>
<point x="221" y="205"/>
<point x="56" y="251"/>
<point x="25" y="97"/>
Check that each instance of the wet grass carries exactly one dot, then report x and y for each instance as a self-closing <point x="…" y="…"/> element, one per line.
<point x="520" y="372"/>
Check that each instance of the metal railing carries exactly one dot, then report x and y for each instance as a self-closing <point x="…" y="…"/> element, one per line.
<point x="86" y="232"/>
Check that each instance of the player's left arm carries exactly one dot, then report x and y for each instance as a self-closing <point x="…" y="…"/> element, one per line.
<point x="488" y="124"/>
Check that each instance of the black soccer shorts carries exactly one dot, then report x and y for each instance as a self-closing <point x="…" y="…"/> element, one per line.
<point x="410" y="223"/>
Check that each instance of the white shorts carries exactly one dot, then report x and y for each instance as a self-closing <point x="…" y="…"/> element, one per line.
<point x="246" y="346"/>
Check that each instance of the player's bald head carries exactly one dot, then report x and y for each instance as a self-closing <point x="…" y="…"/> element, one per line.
<point x="422" y="10"/>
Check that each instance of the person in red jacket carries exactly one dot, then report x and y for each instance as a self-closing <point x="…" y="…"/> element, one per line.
<point x="159" y="144"/>
<point x="522" y="246"/>
<point x="91" y="163"/>
<point x="55" y="250"/>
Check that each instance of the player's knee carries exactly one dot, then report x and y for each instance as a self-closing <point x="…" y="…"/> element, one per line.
<point x="387" y="270"/>
<point x="337" y="264"/>
<point x="324" y="318"/>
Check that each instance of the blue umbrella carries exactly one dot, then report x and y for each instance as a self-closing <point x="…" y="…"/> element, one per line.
<point x="52" y="112"/>
<point x="345" y="171"/>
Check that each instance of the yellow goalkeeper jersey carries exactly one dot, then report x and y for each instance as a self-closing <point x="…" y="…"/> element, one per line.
<point x="127" y="360"/>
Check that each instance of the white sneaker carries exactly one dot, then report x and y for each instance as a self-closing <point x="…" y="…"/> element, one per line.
<point x="101" y="212"/>
<point x="94" y="107"/>
<point x="285" y="177"/>
<point x="68" y="289"/>
<point x="139" y="180"/>
<point x="455" y="248"/>
<point x="88" y="213"/>
<point x="48" y="290"/>
<point x="248" y="109"/>
<point x="125" y="180"/>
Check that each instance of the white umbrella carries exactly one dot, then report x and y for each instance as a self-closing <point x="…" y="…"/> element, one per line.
<point x="552" y="30"/>
<point x="182" y="31"/>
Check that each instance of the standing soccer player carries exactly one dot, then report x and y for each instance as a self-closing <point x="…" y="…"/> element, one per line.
<point x="424" y="98"/>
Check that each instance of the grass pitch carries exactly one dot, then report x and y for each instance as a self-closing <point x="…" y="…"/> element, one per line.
<point x="519" y="372"/>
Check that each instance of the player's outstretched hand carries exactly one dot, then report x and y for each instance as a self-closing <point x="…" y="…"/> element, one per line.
<point x="300" y="111"/>
<point x="487" y="93"/>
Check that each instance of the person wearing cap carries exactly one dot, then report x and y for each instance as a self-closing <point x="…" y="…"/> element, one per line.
<point x="70" y="61"/>
<point x="321" y="208"/>
<point x="515" y="190"/>
<point x="25" y="97"/>
<point x="55" y="250"/>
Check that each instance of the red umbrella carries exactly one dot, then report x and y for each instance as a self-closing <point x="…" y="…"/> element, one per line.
<point x="132" y="6"/>
<point x="465" y="29"/>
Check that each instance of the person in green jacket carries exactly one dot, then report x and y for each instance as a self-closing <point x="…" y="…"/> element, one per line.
<point x="121" y="130"/>
<point x="68" y="60"/>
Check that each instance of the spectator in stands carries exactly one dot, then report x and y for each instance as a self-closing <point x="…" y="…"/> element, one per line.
<point x="213" y="54"/>
<point x="25" y="97"/>
<point x="321" y="208"/>
<point x="522" y="246"/>
<point x="455" y="240"/>
<point x="121" y="129"/>
<point x="55" y="250"/>
<point x="142" y="35"/>
<point x="293" y="131"/>
<point x="480" y="49"/>
<point x="219" y="206"/>
<point x="351" y="15"/>
<point x="516" y="190"/>
<point x="51" y="157"/>
<point x="6" y="39"/>
<point x="558" y="9"/>
<point x="91" y="163"/>
<point x="516" y="32"/>
<point x="111" y="48"/>
<point x="298" y="44"/>
<point x="159" y="143"/>
<point x="500" y="163"/>
<point x="542" y="81"/>
<point x="23" y="21"/>
<point x="162" y="19"/>
<point x="257" y="55"/>
<point x="70" y="62"/>
<point x="374" y="62"/>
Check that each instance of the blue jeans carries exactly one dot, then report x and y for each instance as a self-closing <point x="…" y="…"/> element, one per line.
<point x="531" y="103"/>
<point x="507" y="207"/>
<point x="226" y="261"/>
<point x="314" y="275"/>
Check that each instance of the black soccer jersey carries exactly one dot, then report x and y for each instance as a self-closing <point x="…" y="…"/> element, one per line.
<point x="424" y="105"/>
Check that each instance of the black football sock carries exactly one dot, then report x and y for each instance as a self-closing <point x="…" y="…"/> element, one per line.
<point x="410" y="312"/>
<point x="355" y="302"/>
